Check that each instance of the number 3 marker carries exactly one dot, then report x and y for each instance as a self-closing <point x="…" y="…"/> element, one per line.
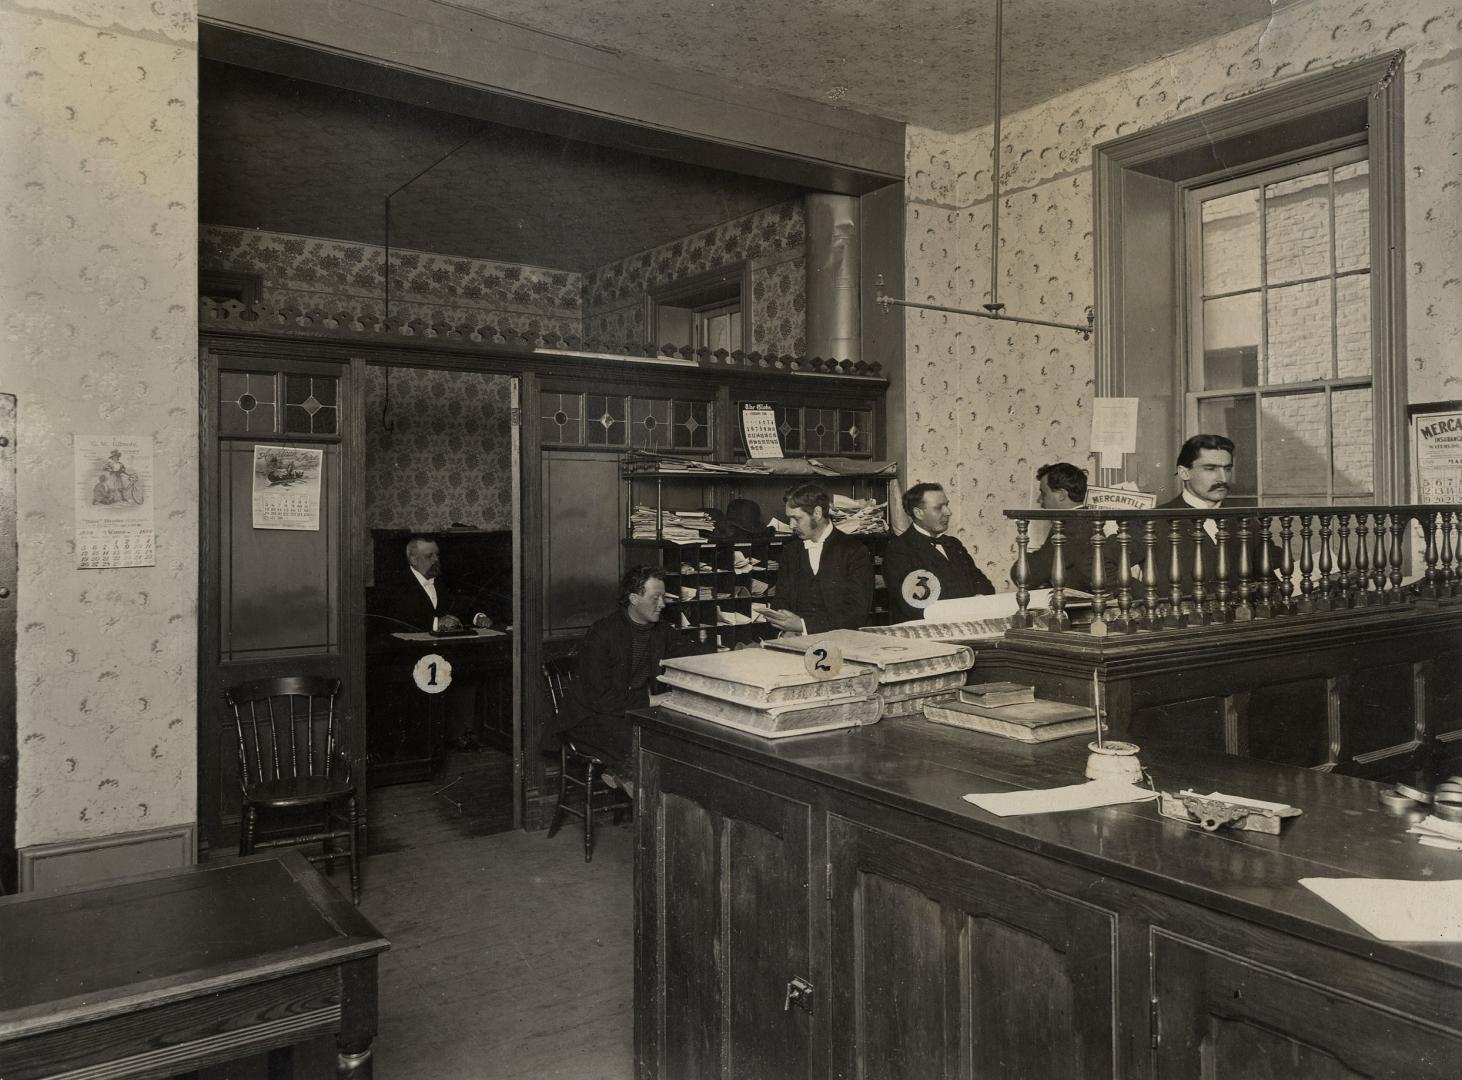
<point x="920" y="588"/>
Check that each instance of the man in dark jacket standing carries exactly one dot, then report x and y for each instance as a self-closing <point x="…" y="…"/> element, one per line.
<point x="824" y="579"/>
<point x="618" y="660"/>
<point x="924" y="563"/>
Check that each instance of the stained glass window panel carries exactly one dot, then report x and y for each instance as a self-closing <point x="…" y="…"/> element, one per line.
<point x="247" y="403"/>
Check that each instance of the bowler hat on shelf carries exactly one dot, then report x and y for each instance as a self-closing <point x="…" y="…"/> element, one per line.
<point x="742" y="519"/>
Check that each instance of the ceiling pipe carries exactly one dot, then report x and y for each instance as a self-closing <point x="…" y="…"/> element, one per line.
<point x="994" y="309"/>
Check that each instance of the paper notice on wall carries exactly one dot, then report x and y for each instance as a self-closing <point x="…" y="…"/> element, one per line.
<point x="1439" y="456"/>
<point x="759" y="427"/>
<point x="114" y="518"/>
<point x="1113" y="429"/>
<point x="287" y="487"/>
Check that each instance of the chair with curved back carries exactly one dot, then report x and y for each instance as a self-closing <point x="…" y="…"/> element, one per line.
<point x="581" y="755"/>
<point x="293" y="771"/>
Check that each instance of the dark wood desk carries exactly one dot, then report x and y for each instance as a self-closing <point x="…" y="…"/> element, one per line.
<point x="166" y="973"/>
<point x="941" y="941"/>
<point x="407" y="728"/>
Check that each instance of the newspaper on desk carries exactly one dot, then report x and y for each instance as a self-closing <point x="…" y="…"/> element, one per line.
<point x="1394" y="910"/>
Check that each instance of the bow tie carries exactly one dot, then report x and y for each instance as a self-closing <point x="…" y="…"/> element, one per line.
<point x="937" y="541"/>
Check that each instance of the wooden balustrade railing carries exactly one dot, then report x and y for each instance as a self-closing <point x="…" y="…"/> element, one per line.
<point x="1155" y="570"/>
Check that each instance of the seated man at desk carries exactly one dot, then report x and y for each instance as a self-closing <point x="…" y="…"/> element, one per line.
<point x="619" y="659"/>
<point x="824" y="578"/>
<point x="424" y="602"/>
<point x="924" y="563"/>
<point x="1063" y="487"/>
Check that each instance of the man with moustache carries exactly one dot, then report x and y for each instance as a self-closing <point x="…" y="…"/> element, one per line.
<point x="824" y="578"/>
<point x="924" y="563"/>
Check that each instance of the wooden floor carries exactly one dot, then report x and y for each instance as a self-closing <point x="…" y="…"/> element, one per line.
<point x="471" y="797"/>
<point x="511" y="958"/>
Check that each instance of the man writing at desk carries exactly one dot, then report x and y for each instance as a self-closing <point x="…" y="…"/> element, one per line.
<point x="824" y="579"/>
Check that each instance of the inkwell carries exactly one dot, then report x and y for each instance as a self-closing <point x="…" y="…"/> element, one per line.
<point x="1110" y="760"/>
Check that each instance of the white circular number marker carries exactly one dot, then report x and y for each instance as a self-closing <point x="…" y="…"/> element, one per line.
<point x="432" y="673"/>
<point x="920" y="588"/>
<point x="823" y="660"/>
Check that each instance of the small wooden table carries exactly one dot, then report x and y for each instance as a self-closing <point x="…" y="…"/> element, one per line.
<point x="169" y="972"/>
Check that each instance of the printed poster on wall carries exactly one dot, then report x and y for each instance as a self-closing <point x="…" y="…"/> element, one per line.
<point x="1113" y="429"/>
<point x="287" y="487"/>
<point x="114" y="519"/>
<point x="1438" y="438"/>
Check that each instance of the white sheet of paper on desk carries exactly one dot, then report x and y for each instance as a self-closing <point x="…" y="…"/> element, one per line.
<point x="995" y="606"/>
<point x="1054" y="800"/>
<point x="1396" y="910"/>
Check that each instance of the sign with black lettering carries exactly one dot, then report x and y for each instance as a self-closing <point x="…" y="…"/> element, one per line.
<point x="759" y="428"/>
<point x="432" y="673"/>
<point x="823" y="660"/>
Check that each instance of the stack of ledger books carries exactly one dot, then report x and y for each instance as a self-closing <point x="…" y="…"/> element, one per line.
<point x="1012" y="711"/>
<point x="910" y="672"/>
<point x="770" y="693"/>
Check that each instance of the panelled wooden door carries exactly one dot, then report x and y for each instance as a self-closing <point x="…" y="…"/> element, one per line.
<point x="274" y="601"/>
<point x="942" y="968"/>
<point x="726" y="873"/>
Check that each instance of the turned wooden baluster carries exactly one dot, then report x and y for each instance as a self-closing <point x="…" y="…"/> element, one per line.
<point x="1265" y="607"/>
<point x="1021" y="620"/>
<point x="1449" y="566"/>
<point x="1199" y="614"/>
<point x="1378" y="561"/>
<point x="1306" y="603"/>
<point x="1429" y="585"/>
<point x="1243" y="610"/>
<point x="1220" y="572"/>
<point x="1058" y="620"/>
<point x="1124" y="624"/>
<point x="1174" y="618"/>
<point x="1398" y="535"/>
<point x="1362" y="560"/>
<point x="1343" y="592"/>
<point x="1286" y="566"/>
<point x="1324" y="599"/>
<point x="1099" y="626"/>
<point x="1149" y="573"/>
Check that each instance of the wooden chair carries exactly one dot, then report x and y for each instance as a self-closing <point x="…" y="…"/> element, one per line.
<point x="296" y="775"/>
<point x="581" y="761"/>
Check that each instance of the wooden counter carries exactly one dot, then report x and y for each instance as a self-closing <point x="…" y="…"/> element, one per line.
<point x="939" y="940"/>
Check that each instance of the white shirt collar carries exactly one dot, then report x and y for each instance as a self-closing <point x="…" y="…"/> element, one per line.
<point x="820" y="537"/>
<point x="1199" y="504"/>
<point x="429" y="584"/>
<point x="927" y="533"/>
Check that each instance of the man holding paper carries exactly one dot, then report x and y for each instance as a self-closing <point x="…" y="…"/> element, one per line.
<point x="924" y="564"/>
<point x="824" y="578"/>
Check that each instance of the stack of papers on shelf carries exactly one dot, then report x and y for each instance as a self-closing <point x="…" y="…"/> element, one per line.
<point x="642" y="461"/>
<point x="735" y="618"/>
<point x="770" y="692"/>
<point x="859" y="516"/>
<point x="780" y="527"/>
<point x="676" y="526"/>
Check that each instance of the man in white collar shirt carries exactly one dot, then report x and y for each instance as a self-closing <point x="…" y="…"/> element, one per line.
<point x="924" y="563"/>
<point x="1206" y="469"/>
<point x="824" y="578"/>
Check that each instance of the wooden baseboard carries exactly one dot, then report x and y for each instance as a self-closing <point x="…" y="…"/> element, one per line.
<point x="48" y="867"/>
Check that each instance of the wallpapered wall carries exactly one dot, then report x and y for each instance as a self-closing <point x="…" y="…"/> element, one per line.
<point x="449" y="456"/>
<point x="607" y="303"/>
<point x="335" y="276"/>
<point x="99" y="194"/>
<point x="1002" y="400"/>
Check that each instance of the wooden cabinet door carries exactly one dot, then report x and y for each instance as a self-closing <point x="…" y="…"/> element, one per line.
<point x="723" y="924"/>
<point x="941" y="967"/>
<point x="1220" y="1017"/>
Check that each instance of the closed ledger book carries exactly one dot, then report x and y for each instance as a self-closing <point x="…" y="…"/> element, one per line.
<point x="764" y="678"/>
<point x="992" y="695"/>
<point x="1031" y="721"/>
<point x="896" y="658"/>
<point x="775" y="721"/>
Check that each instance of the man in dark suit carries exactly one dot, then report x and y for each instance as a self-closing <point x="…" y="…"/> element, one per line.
<point x="924" y="563"/>
<point x="1206" y="468"/>
<point x="619" y="659"/>
<point x="1063" y="487"/>
<point x="824" y="578"/>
